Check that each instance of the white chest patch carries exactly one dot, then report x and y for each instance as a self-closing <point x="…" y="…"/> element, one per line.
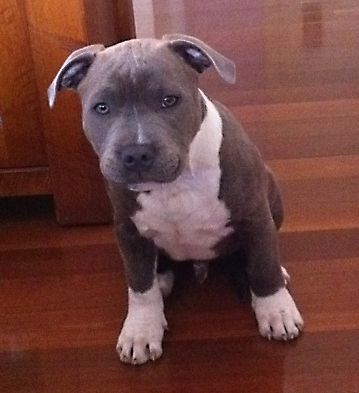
<point x="185" y="217"/>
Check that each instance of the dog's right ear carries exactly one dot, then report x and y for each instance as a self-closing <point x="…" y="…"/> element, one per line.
<point x="73" y="70"/>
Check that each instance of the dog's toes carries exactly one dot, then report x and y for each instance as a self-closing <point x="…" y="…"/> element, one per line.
<point x="292" y="330"/>
<point x="155" y="350"/>
<point x="277" y="316"/>
<point x="143" y="351"/>
<point x="124" y="350"/>
<point x="277" y="327"/>
<point x="141" y="341"/>
<point x="139" y="351"/>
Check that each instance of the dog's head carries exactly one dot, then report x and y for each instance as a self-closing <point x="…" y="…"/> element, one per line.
<point x="141" y="104"/>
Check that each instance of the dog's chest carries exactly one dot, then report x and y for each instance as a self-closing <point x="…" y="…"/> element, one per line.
<point x="184" y="218"/>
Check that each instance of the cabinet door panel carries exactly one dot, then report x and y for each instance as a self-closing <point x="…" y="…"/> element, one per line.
<point x="21" y="143"/>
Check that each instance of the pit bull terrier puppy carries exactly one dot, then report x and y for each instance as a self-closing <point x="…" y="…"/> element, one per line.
<point x="185" y="181"/>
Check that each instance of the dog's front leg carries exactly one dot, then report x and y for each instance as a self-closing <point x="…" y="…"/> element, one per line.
<point x="141" y="337"/>
<point x="274" y="307"/>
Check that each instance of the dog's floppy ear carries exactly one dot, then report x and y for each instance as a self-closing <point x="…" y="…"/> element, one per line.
<point x="73" y="70"/>
<point x="201" y="56"/>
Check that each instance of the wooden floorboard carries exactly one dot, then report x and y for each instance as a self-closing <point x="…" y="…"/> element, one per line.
<point x="318" y="362"/>
<point x="63" y="298"/>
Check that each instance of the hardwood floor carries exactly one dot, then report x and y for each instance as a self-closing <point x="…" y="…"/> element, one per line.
<point x="62" y="290"/>
<point x="63" y="297"/>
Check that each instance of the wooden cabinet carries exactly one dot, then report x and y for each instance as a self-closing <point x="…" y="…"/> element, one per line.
<point x="43" y="151"/>
<point x="23" y="160"/>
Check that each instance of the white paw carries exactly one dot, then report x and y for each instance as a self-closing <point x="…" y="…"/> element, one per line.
<point x="142" y="332"/>
<point x="277" y="316"/>
<point x="165" y="282"/>
<point x="141" y="340"/>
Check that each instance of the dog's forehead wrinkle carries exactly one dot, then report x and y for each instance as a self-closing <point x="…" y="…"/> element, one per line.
<point x="138" y="53"/>
<point x="141" y="66"/>
<point x="147" y="58"/>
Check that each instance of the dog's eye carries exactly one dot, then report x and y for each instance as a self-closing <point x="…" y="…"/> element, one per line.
<point x="169" y="101"/>
<point x="102" y="108"/>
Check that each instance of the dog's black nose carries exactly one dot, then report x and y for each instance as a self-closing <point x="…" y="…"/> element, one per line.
<point x="138" y="157"/>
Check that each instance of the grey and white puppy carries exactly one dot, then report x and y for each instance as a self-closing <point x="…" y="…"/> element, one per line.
<point x="185" y="181"/>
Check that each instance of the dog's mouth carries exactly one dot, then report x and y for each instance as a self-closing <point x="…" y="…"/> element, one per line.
<point x="145" y="187"/>
<point x="151" y="183"/>
<point x="142" y="181"/>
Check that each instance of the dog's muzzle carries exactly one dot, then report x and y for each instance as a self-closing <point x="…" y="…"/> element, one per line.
<point x="137" y="164"/>
<point x="138" y="158"/>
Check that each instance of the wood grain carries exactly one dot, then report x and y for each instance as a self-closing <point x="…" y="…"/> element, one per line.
<point x="51" y="17"/>
<point x="64" y="297"/>
<point x="319" y="193"/>
<point x="25" y="181"/>
<point x="21" y="141"/>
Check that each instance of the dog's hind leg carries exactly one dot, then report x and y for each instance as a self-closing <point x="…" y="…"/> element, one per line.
<point x="275" y="200"/>
<point x="165" y="275"/>
<point x="276" y="207"/>
<point x="165" y="282"/>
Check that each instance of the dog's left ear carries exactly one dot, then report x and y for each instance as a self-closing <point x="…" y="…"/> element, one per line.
<point x="201" y="56"/>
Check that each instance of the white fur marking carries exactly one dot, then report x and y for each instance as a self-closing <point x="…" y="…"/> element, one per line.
<point x="140" y="132"/>
<point x="277" y="315"/>
<point x="165" y="282"/>
<point x="142" y="332"/>
<point x="204" y="149"/>
<point x="185" y="217"/>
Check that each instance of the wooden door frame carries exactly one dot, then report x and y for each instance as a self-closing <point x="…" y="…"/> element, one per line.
<point x="77" y="185"/>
